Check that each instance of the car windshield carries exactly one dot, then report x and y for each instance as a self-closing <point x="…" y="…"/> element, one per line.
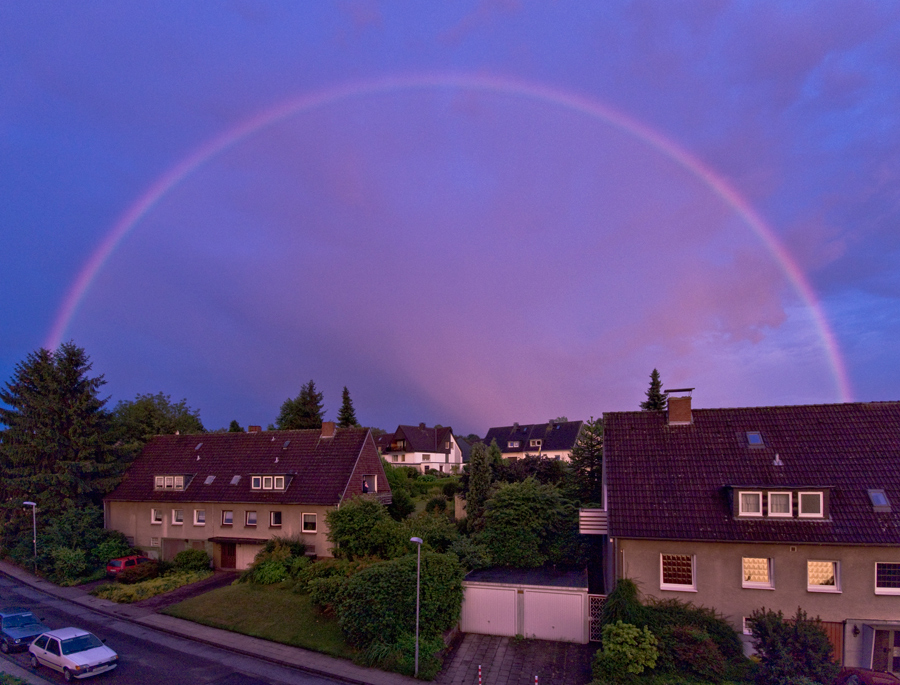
<point x="115" y="562"/>
<point x="81" y="643"/>
<point x="19" y="621"/>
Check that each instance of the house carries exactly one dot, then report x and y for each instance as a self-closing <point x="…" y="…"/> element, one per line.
<point x="551" y="440"/>
<point x="228" y="493"/>
<point x="426" y="449"/>
<point x="774" y="507"/>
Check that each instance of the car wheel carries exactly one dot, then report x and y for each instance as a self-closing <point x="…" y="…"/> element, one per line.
<point x="4" y="646"/>
<point x="34" y="661"/>
<point x="67" y="674"/>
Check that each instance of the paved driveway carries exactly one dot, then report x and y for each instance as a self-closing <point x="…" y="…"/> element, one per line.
<point x="511" y="661"/>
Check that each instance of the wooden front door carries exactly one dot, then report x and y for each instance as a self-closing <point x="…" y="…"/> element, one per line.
<point x="229" y="555"/>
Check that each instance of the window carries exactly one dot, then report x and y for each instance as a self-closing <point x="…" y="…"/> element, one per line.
<point x="227" y="518"/>
<point x="754" y="439"/>
<point x="513" y="444"/>
<point x="757" y="573"/>
<point x="199" y="517"/>
<point x="677" y="572"/>
<point x="371" y="481"/>
<point x="250" y="518"/>
<point x="177" y="517"/>
<point x="267" y="482"/>
<point x="255" y="482"/>
<point x="279" y="482"/>
<point x="426" y="457"/>
<point x="159" y="482"/>
<point x="535" y="443"/>
<point x="447" y="445"/>
<point x="235" y="480"/>
<point x="394" y="457"/>
<point x="810" y="504"/>
<point x="879" y="500"/>
<point x="156" y="516"/>
<point x="209" y="480"/>
<point x="750" y="503"/>
<point x="275" y="519"/>
<point x="168" y="482"/>
<point x="309" y="523"/>
<point x="746" y="626"/>
<point x="822" y="576"/>
<point x="887" y="578"/>
<point x="781" y="504"/>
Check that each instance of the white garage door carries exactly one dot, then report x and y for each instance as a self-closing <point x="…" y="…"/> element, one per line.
<point x="489" y="611"/>
<point x="554" y="616"/>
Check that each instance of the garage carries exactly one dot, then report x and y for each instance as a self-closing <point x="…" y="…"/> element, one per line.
<point x="544" y="604"/>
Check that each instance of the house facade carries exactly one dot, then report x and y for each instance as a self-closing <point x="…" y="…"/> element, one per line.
<point x="426" y="449"/>
<point x="776" y="507"/>
<point x="228" y="493"/>
<point x="551" y="440"/>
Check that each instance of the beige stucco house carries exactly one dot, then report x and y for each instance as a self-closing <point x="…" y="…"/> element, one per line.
<point x="775" y="507"/>
<point x="228" y="493"/>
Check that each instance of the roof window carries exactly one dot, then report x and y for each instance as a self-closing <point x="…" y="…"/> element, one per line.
<point x="199" y="445"/>
<point x="209" y="480"/>
<point x="754" y="439"/>
<point x="235" y="480"/>
<point x="880" y="501"/>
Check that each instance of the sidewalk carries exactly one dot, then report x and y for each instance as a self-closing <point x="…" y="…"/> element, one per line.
<point x="283" y="655"/>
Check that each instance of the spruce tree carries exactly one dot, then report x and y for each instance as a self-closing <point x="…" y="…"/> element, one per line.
<point x="304" y="411"/>
<point x="347" y="415"/>
<point x="586" y="462"/>
<point x="656" y="398"/>
<point x="235" y="427"/>
<point x="480" y="477"/>
<point x="54" y="446"/>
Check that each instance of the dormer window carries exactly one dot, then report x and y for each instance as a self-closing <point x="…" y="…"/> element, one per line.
<point x="513" y="444"/>
<point x="751" y="504"/>
<point x="535" y="443"/>
<point x="811" y="505"/>
<point x="168" y="482"/>
<point x="267" y="482"/>
<point x="781" y="504"/>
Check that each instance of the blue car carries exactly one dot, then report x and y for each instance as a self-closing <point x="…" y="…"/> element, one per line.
<point x="18" y="627"/>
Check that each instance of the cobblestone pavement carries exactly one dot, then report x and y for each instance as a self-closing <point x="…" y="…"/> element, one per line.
<point x="511" y="661"/>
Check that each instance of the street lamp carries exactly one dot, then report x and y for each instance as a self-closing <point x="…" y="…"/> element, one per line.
<point x="34" y="528"/>
<point x="418" y="542"/>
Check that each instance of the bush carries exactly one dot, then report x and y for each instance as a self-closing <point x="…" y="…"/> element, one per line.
<point x="438" y="504"/>
<point x="472" y="555"/>
<point x="380" y="601"/>
<point x="327" y="593"/>
<point x="672" y="612"/>
<point x="363" y="528"/>
<point x="139" y="573"/>
<point x="436" y="531"/>
<point x="627" y="651"/>
<point x="791" y="651"/>
<point x="687" y="650"/>
<point x="450" y="489"/>
<point x="401" y="504"/>
<point x="328" y="568"/>
<point x="400" y="656"/>
<point x="69" y="563"/>
<point x="191" y="560"/>
<point x="276" y="561"/>
<point x="623" y="604"/>
<point x="127" y="594"/>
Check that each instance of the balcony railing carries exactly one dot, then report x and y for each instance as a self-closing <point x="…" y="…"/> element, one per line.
<point x="593" y="522"/>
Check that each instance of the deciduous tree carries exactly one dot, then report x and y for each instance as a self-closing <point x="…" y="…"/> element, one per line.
<point x="304" y="411"/>
<point x="135" y="422"/>
<point x="656" y="398"/>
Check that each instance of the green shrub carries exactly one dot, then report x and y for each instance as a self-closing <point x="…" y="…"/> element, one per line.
<point x="689" y="651"/>
<point x="276" y="561"/>
<point x="400" y="656"/>
<point x="328" y="568"/>
<point x="627" y="651"/>
<point x="139" y="573"/>
<point x="436" y="531"/>
<point x="327" y="593"/>
<point x="672" y="612"/>
<point x="294" y="546"/>
<point x="127" y="594"/>
<point x="427" y="478"/>
<point x="623" y="604"/>
<point x="471" y="554"/>
<point x="380" y="601"/>
<point x="363" y="528"/>
<point x="191" y="560"/>
<point x="450" y="489"/>
<point x="69" y="563"/>
<point x="401" y="504"/>
<point x="436" y="504"/>
<point x="792" y="651"/>
<point x="298" y="565"/>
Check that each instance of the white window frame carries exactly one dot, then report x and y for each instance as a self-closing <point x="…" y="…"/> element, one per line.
<point x="790" y="511"/>
<point x="267" y="482"/>
<point x="745" y="628"/>
<point x="759" y="496"/>
<point x="199" y="517"/>
<point x="279" y="483"/>
<point x="227" y="517"/>
<point x="535" y="443"/>
<point x="820" y="514"/>
<point x="836" y="588"/>
<point x="677" y="587"/>
<point x="176" y="514"/>
<point x="272" y="523"/>
<point x="755" y="585"/>
<point x="170" y="482"/>
<point x="256" y="482"/>
<point x="156" y="516"/>
<point x="179" y="482"/>
<point x="315" y="521"/>
<point x="512" y="444"/>
<point x="159" y="482"/>
<point x="885" y="590"/>
<point x="247" y="515"/>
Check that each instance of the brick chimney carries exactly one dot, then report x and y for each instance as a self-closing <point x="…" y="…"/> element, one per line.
<point x="254" y="429"/>
<point x="327" y="429"/>
<point x="679" y="408"/>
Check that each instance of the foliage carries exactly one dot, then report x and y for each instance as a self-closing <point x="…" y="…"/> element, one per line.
<point x="479" y="483"/>
<point x="471" y="554"/>
<point x="139" y="573"/>
<point x="135" y="422"/>
<point x="400" y="656"/>
<point x="235" y="427"/>
<point x="399" y="478"/>
<point x="54" y="445"/>
<point x="69" y="562"/>
<point x="304" y="411"/>
<point x="276" y="561"/>
<point x="192" y="560"/>
<point x="586" y="463"/>
<point x="791" y="649"/>
<point x="529" y="524"/>
<point x="689" y="651"/>
<point x="363" y="528"/>
<point x="437" y="504"/>
<point x="328" y="592"/>
<point x="656" y="398"/>
<point x="346" y="414"/>
<point x="6" y="679"/>
<point x="530" y="466"/>
<point x="126" y="594"/>
<point x="623" y="604"/>
<point x="379" y="603"/>
<point x="328" y="568"/>
<point x="671" y="612"/>
<point x="401" y="505"/>
<point x="627" y="652"/>
<point x="449" y="489"/>
<point x="436" y="530"/>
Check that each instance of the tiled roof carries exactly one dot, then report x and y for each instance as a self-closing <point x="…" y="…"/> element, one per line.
<point x="553" y="436"/>
<point x="421" y="438"/>
<point x="672" y="482"/>
<point x="318" y="469"/>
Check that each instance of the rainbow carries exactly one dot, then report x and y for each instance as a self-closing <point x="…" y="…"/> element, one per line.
<point x="461" y="81"/>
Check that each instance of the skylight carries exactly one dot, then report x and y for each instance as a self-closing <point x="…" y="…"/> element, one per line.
<point x="199" y="445"/>
<point x="209" y="480"/>
<point x="754" y="439"/>
<point x="235" y="480"/>
<point x="879" y="499"/>
<point x="286" y="443"/>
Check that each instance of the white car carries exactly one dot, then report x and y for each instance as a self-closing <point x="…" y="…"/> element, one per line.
<point x="75" y="652"/>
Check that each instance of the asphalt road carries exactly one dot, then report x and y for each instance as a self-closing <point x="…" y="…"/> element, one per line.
<point x="147" y="657"/>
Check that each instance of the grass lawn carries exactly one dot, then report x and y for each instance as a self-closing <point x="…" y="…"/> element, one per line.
<point x="269" y="612"/>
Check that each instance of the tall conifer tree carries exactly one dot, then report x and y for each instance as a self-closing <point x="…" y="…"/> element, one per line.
<point x="656" y="398"/>
<point x="347" y="415"/>
<point x="304" y="411"/>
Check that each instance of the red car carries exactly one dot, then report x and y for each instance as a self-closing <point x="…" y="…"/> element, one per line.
<point x="865" y="676"/>
<point x="116" y="566"/>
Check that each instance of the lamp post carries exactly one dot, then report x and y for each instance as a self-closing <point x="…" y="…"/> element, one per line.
<point x="33" y="506"/>
<point x="418" y="542"/>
